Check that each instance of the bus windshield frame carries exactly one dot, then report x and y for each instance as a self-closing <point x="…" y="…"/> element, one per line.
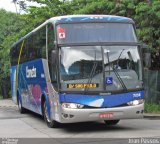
<point x="100" y="62"/>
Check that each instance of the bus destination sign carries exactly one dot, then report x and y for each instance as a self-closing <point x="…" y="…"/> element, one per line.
<point x="82" y="85"/>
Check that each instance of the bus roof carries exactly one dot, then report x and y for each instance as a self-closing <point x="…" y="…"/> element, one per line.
<point x="90" y="18"/>
<point x="80" y="18"/>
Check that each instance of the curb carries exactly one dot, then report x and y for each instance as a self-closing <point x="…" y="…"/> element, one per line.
<point x="7" y="103"/>
<point x="5" y="106"/>
<point x="152" y="116"/>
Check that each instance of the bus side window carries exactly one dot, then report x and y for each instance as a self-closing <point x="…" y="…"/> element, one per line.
<point x="39" y="43"/>
<point x="24" y="53"/>
<point x="18" y="47"/>
<point x="41" y="46"/>
<point x="14" y="55"/>
<point x="31" y="51"/>
<point x="51" y="46"/>
<point x="50" y="38"/>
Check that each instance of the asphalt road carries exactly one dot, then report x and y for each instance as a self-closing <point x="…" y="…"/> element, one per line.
<point x="30" y="125"/>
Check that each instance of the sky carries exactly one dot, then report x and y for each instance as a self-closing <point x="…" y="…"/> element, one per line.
<point x="8" y="5"/>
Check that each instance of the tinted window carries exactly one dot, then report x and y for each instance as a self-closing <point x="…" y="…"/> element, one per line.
<point x="31" y="50"/>
<point x="51" y="46"/>
<point x="51" y="38"/>
<point x="95" y="32"/>
<point x="34" y="47"/>
<point x="14" y="55"/>
<point x="24" y="53"/>
<point x="40" y="43"/>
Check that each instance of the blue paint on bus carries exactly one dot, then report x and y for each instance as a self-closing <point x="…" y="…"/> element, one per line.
<point x="107" y="100"/>
<point x="87" y="18"/>
<point x="31" y="83"/>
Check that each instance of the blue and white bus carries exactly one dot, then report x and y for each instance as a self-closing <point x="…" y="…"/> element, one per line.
<point x="79" y="68"/>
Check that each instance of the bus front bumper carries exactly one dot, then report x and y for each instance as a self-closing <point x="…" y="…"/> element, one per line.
<point x="99" y="114"/>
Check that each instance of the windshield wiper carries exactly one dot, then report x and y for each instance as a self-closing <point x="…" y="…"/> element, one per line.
<point x="92" y="73"/>
<point x="120" y="56"/>
<point x="116" y="72"/>
<point x="120" y="79"/>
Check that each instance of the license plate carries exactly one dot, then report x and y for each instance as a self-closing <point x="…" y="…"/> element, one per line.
<point x="106" y="115"/>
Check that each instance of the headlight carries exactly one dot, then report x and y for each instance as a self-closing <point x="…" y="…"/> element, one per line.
<point x="72" y="105"/>
<point x="135" y="102"/>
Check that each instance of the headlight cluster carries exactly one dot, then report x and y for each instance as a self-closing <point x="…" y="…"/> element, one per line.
<point x="72" y="105"/>
<point x="135" y="102"/>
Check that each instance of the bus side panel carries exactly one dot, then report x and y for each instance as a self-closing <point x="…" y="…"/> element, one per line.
<point x="32" y="84"/>
<point x="13" y="83"/>
<point x="52" y="95"/>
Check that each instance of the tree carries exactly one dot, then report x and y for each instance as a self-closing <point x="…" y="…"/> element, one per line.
<point x="10" y="25"/>
<point x="148" y="19"/>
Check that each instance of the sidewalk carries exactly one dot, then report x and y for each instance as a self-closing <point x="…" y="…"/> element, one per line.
<point x="7" y="103"/>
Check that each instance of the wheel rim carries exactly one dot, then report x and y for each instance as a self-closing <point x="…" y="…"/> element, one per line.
<point x="46" y="113"/>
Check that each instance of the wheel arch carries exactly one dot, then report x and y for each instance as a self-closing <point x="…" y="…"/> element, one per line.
<point x="42" y="102"/>
<point x="45" y="98"/>
<point x="18" y="97"/>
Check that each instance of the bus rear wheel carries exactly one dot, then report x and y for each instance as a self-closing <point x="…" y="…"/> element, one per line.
<point x="50" y="123"/>
<point x="111" y="122"/>
<point x="20" y="107"/>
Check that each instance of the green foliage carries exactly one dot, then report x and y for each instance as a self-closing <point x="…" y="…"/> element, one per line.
<point x="152" y="108"/>
<point x="148" y="19"/>
<point x="11" y="24"/>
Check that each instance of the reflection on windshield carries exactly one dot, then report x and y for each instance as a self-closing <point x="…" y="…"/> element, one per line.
<point x="83" y="65"/>
<point x="122" y="57"/>
<point x="125" y="61"/>
<point x="79" y="61"/>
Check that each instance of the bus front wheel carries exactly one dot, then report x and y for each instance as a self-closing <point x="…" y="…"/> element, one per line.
<point x="50" y="123"/>
<point x="111" y="122"/>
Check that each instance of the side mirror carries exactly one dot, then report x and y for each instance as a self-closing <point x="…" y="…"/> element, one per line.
<point x="146" y="54"/>
<point x="53" y="56"/>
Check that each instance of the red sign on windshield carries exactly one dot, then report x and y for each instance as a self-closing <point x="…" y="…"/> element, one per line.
<point x="61" y="33"/>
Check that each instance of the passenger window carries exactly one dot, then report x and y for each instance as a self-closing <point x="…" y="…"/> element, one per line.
<point x="51" y="46"/>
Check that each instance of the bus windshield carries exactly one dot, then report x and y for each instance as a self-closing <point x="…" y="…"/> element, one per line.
<point x="95" y="32"/>
<point x="88" y="67"/>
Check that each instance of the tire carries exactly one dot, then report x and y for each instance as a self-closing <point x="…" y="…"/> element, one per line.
<point x="20" y="107"/>
<point x="50" y="123"/>
<point x="111" y="122"/>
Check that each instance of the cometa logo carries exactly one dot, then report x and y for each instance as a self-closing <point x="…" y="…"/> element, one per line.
<point x="30" y="73"/>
